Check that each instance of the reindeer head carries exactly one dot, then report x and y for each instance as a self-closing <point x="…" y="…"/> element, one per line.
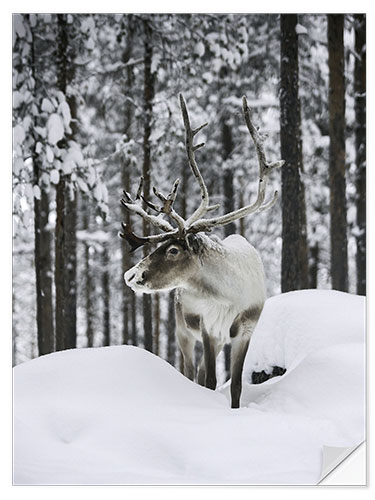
<point x="171" y="265"/>
<point x="177" y="258"/>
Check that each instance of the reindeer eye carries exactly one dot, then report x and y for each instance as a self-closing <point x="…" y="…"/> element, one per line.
<point x="173" y="250"/>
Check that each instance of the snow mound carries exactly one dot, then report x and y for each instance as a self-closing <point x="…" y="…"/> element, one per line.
<point x="120" y="415"/>
<point x="294" y="324"/>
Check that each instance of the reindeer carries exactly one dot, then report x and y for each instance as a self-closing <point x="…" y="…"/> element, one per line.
<point x="220" y="284"/>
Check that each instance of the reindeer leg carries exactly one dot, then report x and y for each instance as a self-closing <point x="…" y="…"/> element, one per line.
<point x="209" y="353"/>
<point x="202" y="372"/>
<point x="186" y="342"/>
<point x="240" y="333"/>
<point x="238" y="353"/>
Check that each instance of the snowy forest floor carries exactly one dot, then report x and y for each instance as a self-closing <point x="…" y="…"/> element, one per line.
<point x="121" y="415"/>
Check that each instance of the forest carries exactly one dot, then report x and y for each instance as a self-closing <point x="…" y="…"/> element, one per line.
<point x="95" y="107"/>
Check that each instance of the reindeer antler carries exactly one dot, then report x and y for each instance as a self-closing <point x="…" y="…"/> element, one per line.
<point x="195" y="223"/>
<point x="265" y="169"/>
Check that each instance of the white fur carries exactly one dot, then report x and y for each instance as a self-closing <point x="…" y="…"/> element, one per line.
<point x="233" y="269"/>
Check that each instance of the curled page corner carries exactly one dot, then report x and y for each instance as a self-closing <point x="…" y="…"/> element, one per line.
<point x="334" y="456"/>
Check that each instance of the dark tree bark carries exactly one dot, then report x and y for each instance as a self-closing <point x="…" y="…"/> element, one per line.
<point x="88" y="285"/>
<point x="338" y="231"/>
<point x="126" y="262"/>
<point x="106" y="297"/>
<point x="171" y="330"/>
<point x="70" y="271"/>
<point x="360" y="146"/>
<point x="60" y="266"/>
<point x="66" y="213"/>
<point x="62" y="46"/>
<point x="313" y="268"/>
<point x="43" y="271"/>
<point x="133" y="311"/>
<point x="156" y="304"/>
<point x="241" y="203"/>
<point x="293" y="269"/>
<point x="228" y="191"/>
<point x="42" y="246"/>
<point x="125" y="174"/>
<point x="304" y="251"/>
<point x="148" y="95"/>
<point x="70" y="229"/>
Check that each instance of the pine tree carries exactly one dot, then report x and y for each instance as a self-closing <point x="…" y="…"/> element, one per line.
<point x="360" y="146"/>
<point x="149" y="91"/>
<point x="42" y="245"/>
<point x="337" y="181"/>
<point x="293" y="264"/>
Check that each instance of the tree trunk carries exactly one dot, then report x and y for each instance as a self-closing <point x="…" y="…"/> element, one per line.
<point x="360" y="146"/>
<point x="241" y="203"/>
<point x="42" y="247"/>
<point x="133" y="310"/>
<point x="126" y="263"/>
<point x="313" y="268"/>
<point x="227" y="143"/>
<point x="70" y="229"/>
<point x="125" y="174"/>
<point x="88" y="278"/>
<point x="106" y="297"/>
<point x="292" y="268"/>
<point x="304" y="252"/>
<point x="156" y="324"/>
<point x="65" y="230"/>
<point x="60" y="266"/>
<point x="43" y="270"/>
<point x="148" y="95"/>
<point x="171" y="330"/>
<point x="339" y="251"/>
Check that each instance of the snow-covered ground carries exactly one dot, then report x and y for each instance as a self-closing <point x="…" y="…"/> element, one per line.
<point x="120" y="415"/>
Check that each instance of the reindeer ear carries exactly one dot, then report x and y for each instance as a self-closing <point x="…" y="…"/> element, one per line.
<point x="193" y="242"/>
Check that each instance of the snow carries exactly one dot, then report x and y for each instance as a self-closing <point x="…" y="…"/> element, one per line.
<point x="305" y="321"/>
<point x="37" y="192"/>
<point x="18" y="134"/>
<point x="199" y="49"/>
<point x="47" y="106"/>
<point x="49" y="154"/>
<point x="18" y="26"/>
<point x="121" y="415"/>
<point x="300" y="30"/>
<point x="65" y="111"/>
<point x="55" y="128"/>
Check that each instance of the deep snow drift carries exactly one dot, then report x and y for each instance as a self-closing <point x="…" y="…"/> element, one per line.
<point x="120" y="415"/>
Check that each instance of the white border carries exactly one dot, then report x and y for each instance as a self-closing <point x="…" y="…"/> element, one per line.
<point x="287" y="492"/>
